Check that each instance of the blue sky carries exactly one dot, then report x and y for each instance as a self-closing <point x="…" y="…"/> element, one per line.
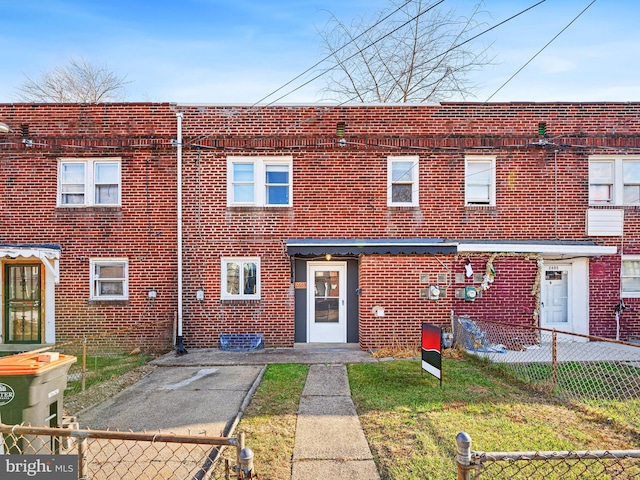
<point x="239" y="51"/>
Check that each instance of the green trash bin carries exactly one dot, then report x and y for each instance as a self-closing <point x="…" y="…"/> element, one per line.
<point x="32" y="389"/>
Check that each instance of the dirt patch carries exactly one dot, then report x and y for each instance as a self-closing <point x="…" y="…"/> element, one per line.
<point x="95" y="394"/>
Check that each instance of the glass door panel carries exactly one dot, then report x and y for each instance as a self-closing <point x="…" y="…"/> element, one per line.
<point x="22" y="300"/>
<point x="327" y="316"/>
<point x="554" y="305"/>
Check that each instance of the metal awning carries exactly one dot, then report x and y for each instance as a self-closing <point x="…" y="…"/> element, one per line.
<point x="546" y="248"/>
<point x="354" y="247"/>
<point x="48" y="254"/>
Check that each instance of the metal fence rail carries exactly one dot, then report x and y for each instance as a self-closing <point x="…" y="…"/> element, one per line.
<point x="130" y="455"/>
<point x="570" y="365"/>
<point x="565" y="465"/>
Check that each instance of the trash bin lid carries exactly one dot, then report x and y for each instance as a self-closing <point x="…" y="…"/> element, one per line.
<point x="33" y="363"/>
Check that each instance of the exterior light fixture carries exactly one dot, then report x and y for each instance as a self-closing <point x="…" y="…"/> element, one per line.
<point x="4" y="128"/>
<point x="328" y="257"/>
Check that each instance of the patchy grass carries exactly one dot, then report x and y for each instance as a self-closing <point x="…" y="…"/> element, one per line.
<point x="269" y="422"/>
<point x="103" y="368"/>
<point x="411" y="422"/>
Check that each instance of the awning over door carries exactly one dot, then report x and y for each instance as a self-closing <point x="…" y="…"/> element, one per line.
<point x="355" y="247"/>
<point x="48" y="254"/>
<point x="545" y="248"/>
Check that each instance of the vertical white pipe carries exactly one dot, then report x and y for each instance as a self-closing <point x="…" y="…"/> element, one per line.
<point x="179" y="347"/>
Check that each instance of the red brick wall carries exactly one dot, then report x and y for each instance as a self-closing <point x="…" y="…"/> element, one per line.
<point x="339" y="192"/>
<point x="143" y="229"/>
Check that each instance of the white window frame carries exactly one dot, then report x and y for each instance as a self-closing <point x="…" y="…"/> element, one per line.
<point x="95" y="279"/>
<point x="414" y="180"/>
<point x="241" y="261"/>
<point x="617" y="183"/>
<point x="628" y="293"/>
<point x="89" y="181"/>
<point x="259" y="183"/>
<point x="470" y="201"/>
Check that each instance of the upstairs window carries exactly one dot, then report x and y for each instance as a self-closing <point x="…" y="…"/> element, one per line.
<point x="260" y="182"/>
<point x="480" y="181"/>
<point x="402" y="181"/>
<point x="630" y="276"/>
<point x="89" y="182"/>
<point x="240" y="278"/>
<point x="109" y="279"/>
<point x="613" y="180"/>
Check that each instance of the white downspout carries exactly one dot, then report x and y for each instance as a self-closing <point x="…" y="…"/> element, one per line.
<point x="180" y="350"/>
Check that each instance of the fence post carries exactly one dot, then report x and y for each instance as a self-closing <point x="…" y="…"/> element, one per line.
<point x="82" y="458"/>
<point x="554" y="359"/>
<point x="239" y="447"/>
<point x="463" y="458"/>
<point x="84" y="362"/>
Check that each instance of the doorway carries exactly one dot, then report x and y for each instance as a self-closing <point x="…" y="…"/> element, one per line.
<point x="555" y="304"/>
<point x="327" y="303"/>
<point x="22" y="303"/>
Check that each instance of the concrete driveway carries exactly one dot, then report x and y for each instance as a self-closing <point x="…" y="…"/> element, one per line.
<point x="201" y="400"/>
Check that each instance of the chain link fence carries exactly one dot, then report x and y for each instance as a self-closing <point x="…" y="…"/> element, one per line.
<point x="99" y="455"/>
<point x="597" y="374"/>
<point x="104" y="356"/>
<point x="567" y="465"/>
<point x="569" y="365"/>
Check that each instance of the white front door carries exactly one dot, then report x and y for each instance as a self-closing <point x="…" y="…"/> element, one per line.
<point x="555" y="304"/>
<point x="326" y="287"/>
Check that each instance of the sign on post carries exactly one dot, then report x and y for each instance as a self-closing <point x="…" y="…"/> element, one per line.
<point x="432" y="350"/>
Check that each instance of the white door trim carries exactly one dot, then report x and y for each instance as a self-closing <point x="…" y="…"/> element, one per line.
<point x="330" y="332"/>
<point x="578" y="291"/>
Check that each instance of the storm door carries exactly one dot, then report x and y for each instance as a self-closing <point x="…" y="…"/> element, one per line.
<point x="554" y="302"/>
<point x="22" y="303"/>
<point x="327" y="302"/>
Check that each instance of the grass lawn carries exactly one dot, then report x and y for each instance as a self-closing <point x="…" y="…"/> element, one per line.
<point x="411" y="422"/>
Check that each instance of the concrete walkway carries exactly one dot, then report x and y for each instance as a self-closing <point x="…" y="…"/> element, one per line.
<point x="207" y="390"/>
<point x="329" y="441"/>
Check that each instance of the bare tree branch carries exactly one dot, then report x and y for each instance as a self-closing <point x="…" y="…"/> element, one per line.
<point x="420" y="54"/>
<point x="80" y="81"/>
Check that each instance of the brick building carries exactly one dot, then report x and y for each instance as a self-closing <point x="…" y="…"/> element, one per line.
<point x="317" y="223"/>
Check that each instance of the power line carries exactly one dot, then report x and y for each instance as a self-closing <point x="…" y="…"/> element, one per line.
<point x="540" y="51"/>
<point x="296" y="124"/>
<point x="418" y="15"/>
<point x="336" y="51"/>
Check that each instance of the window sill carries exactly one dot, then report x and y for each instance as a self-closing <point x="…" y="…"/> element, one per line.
<point x="85" y="209"/>
<point x="404" y="207"/>
<point x="613" y="206"/>
<point x="252" y="208"/>
<point x="481" y="207"/>
<point x="107" y="302"/>
<point x="240" y="301"/>
<point x="630" y="295"/>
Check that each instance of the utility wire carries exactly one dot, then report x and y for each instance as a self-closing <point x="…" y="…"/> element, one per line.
<point x="334" y="52"/>
<point x="540" y="51"/>
<point x="457" y="45"/>
<point x="332" y="107"/>
<point x="418" y="15"/>
<point x="297" y="124"/>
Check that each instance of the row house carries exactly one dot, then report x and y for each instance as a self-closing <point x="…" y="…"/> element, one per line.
<point x="177" y="224"/>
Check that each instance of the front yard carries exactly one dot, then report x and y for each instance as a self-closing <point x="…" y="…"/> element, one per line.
<point x="411" y="422"/>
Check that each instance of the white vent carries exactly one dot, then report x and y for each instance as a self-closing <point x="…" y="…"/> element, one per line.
<point x="605" y="222"/>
